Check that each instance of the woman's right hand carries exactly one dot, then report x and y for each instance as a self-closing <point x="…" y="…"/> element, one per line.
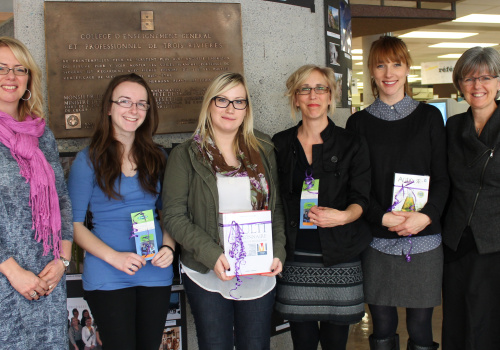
<point x="24" y="281"/>
<point x="390" y="219"/>
<point x="127" y="262"/>
<point x="220" y="268"/>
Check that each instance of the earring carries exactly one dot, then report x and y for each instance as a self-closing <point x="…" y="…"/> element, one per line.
<point x="26" y="99"/>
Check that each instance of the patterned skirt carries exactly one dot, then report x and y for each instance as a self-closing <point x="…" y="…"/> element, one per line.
<point x="312" y="292"/>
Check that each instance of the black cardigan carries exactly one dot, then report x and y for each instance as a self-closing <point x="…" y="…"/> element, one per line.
<point x="475" y="182"/>
<point x="345" y="180"/>
<point x="415" y="145"/>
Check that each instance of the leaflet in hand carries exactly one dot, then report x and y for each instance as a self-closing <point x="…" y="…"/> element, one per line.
<point x="247" y="240"/>
<point x="143" y="227"/>
<point x="308" y="199"/>
<point x="410" y="192"/>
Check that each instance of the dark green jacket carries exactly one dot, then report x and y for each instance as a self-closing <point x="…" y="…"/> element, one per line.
<point x="191" y="204"/>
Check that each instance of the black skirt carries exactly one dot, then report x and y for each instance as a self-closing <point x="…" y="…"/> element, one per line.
<point x="312" y="292"/>
<point x="392" y="281"/>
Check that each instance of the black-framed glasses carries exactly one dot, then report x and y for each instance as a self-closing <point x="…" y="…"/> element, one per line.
<point x="223" y="102"/>
<point x="483" y="79"/>
<point x="16" y="70"/>
<point x="128" y="104"/>
<point x="306" y="90"/>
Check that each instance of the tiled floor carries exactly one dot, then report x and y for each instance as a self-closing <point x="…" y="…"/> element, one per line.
<point x="358" y="337"/>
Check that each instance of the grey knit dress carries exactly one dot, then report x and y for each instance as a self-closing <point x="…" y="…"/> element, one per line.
<point x="28" y="324"/>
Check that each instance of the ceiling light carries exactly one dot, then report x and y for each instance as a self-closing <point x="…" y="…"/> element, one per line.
<point x="451" y="55"/>
<point x="478" y="18"/>
<point x="416" y="67"/>
<point x="359" y="84"/>
<point x="410" y="80"/>
<point x="358" y="64"/>
<point x="461" y="45"/>
<point x="412" y="76"/>
<point x="437" y="35"/>
<point x="357" y="58"/>
<point x="360" y="73"/>
<point x="357" y="51"/>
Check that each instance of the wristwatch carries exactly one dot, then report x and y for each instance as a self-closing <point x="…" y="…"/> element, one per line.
<point x="65" y="261"/>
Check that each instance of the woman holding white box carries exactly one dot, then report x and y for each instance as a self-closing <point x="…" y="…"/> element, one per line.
<point x="325" y="184"/>
<point x="225" y="167"/>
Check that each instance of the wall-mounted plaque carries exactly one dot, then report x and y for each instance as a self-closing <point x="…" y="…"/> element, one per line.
<point x="177" y="47"/>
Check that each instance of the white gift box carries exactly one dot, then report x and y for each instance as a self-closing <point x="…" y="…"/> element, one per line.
<point x="247" y="239"/>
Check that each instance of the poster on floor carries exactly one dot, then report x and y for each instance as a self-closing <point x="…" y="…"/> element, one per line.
<point x="175" y="328"/>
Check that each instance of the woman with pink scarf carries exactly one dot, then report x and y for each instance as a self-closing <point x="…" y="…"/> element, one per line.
<point x="35" y="212"/>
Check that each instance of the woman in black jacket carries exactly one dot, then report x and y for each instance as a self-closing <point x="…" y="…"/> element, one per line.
<point x="472" y="243"/>
<point x="325" y="183"/>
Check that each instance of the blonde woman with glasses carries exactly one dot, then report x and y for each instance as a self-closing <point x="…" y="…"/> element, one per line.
<point x="35" y="211"/>
<point x="226" y="166"/>
<point x="324" y="175"/>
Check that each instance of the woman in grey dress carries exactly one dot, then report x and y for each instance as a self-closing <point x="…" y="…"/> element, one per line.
<point x="35" y="212"/>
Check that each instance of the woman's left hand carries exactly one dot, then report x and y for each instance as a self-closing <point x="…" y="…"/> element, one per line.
<point x="52" y="274"/>
<point x="163" y="258"/>
<point x="327" y="217"/>
<point x="276" y="267"/>
<point x="414" y="223"/>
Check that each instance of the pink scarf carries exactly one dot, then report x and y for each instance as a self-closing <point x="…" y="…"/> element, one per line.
<point x="22" y="140"/>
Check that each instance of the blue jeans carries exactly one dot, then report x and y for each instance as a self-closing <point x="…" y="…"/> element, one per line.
<point x="215" y="317"/>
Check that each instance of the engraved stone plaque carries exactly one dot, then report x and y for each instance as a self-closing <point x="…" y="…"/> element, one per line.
<point x="178" y="48"/>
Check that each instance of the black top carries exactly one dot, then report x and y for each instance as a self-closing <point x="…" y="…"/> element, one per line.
<point x="307" y="239"/>
<point x="475" y="182"/>
<point x="342" y="164"/>
<point x="412" y="145"/>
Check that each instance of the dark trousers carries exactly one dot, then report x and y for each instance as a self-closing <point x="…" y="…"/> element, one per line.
<point x="471" y="302"/>
<point x="215" y="317"/>
<point x="307" y="335"/>
<point x="130" y="318"/>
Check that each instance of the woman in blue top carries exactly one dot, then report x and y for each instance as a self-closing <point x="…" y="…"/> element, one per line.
<point x="117" y="175"/>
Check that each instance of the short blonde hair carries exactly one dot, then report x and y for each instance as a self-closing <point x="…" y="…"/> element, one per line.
<point x="296" y="80"/>
<point x="34" y="105"/>
<point x="220" y="85"/>
<point x="388" y="48"/>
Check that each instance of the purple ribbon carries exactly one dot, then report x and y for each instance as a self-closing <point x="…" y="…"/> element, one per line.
<point x="237" y="250"/>
<point x="309" y="181"/>
<point x="397" y="200"/>
<point x="139" y="216"/>
<point x="407" y="255"/>
<point x="401" y="191"/>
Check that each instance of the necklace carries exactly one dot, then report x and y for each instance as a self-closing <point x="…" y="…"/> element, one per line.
<point x="478" y="131"/>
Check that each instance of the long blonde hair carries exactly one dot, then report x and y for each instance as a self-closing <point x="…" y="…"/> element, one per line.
<point x="34" y="105"/>
<point x="220" y="85"/>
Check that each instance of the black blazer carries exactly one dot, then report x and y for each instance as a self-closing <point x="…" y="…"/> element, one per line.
<point x="474" y="169"/>
<point x="345" y="180"/>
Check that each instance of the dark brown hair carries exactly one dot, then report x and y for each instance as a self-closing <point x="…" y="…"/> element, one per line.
<point x="388" y="48"/>
<point x="106" y="152"/>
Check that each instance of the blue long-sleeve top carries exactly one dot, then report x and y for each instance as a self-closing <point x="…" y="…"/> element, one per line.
<point x="112" y="224"/>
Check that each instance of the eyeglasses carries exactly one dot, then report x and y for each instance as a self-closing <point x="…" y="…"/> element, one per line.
<point x="483" y="79"/>
<point x="143" y="106"/>
<point x="223" y="102"/>
<point x="16" y="70"/>
<point x="305" y="90"/>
